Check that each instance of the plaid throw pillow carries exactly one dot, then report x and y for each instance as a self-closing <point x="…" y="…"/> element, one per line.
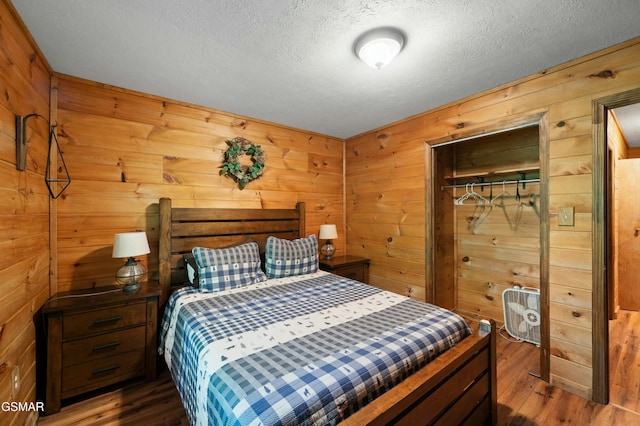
<point x="287" y="258"/>
<point x="222" y="269"/>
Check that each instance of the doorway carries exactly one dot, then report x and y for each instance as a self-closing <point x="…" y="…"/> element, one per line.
<point x="609" y="231"/>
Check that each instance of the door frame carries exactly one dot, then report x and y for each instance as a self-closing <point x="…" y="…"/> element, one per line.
<point x="600" y="250"/>
<point x="541" y="120"/>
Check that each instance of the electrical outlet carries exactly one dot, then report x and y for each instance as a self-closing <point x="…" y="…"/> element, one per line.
<point x="15" y="378"/>
<point x="566" y="216"/>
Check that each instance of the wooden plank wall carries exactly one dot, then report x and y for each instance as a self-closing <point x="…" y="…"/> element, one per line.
<point x="24" y="212"/>
<point x="125" y="150"/>
<point x="385" y="205"/>
<point x="385" y="186"/>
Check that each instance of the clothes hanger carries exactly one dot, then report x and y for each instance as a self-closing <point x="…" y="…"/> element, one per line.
<point x="504" y="196"/>
<point x="460" y="200"/>
<point x="471" y="195"/>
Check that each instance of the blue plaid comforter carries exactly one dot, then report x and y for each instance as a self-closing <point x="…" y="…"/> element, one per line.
<point x="310" y="350"/>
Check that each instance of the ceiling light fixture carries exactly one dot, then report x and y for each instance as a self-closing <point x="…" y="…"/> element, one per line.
<point x="379" y="46"/>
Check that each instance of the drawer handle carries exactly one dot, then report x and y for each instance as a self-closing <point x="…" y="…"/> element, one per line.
<point x="106" y="346"/>
<point x="106" y="369"/>
<point x="105" y="320"/>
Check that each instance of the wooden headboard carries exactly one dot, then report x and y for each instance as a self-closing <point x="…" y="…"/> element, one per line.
<point x="181" y="229"/>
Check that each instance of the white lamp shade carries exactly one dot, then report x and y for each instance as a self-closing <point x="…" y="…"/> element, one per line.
<point x="379" y="46"/>
<point x="328" y="232"/>
<point x="130" y="244"/>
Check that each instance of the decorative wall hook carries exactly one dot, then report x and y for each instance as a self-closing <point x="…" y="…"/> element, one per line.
<point x="21" y="140"/>
<point x="60" y="184"/>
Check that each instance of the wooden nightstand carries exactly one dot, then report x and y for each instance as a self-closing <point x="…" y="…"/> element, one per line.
<point x="356" y="268"/>
<point x="98" y="340"/>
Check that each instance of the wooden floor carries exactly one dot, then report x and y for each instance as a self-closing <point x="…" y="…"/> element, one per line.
<point x="526" y="400"/>
<point x="522" y="398"/>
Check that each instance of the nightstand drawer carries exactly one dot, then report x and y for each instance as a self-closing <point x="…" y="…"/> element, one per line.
<point x="87" y="323"/>
<point x="103" y="345"/>
<point x="353" y="272"/>
<point x="94" y="374"/>
<point x="353" y="267"/>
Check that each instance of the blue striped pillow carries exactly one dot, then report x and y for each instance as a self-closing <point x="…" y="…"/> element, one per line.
<point x="226" y="268"/>
<point x="287" y="258"/>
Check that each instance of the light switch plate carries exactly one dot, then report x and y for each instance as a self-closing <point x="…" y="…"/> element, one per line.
<point x="566" y="216"/>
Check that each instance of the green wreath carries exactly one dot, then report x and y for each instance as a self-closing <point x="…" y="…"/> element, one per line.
<point x="231" y="166"/>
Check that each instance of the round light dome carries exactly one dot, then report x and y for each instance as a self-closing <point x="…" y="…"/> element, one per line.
<point x="379" y="46"/>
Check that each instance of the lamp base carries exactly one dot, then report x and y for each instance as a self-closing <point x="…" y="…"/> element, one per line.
<point x="130" y="275"/>
<point x="131" y="287"/>
<point x="328" y="250"/>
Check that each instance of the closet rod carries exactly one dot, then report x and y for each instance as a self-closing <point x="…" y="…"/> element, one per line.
<point x="481" y="184"/>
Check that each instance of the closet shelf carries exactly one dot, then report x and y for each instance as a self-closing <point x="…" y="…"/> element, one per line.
<point x="498" y="173"/>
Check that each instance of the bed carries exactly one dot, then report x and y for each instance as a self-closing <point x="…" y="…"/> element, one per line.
<point x="309" y="347"/>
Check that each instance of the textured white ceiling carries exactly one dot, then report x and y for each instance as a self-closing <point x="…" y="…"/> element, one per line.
<point x="292" y="62"/>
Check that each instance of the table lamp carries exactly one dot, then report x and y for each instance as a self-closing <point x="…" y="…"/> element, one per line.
<point x="328" y="233"/>
<point x="128" y="245"/>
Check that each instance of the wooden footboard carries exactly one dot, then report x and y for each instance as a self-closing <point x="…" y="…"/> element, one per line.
<point x="458" y="387"/>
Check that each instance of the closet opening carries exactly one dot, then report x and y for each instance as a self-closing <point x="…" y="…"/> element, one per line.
<point x="487" y="229"/>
